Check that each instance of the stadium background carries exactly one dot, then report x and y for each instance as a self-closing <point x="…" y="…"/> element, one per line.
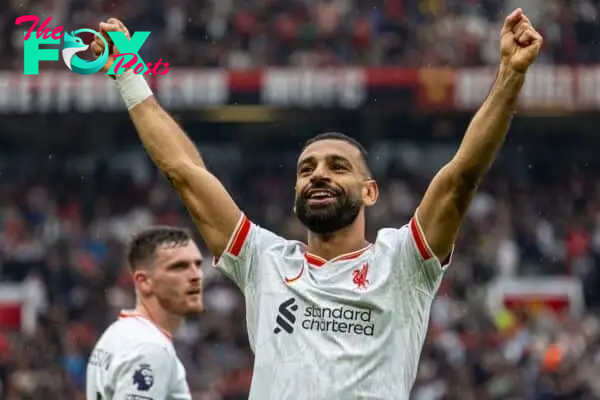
<point x="515" y="318"/>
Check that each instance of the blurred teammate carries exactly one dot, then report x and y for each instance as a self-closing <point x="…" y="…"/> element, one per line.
<point x="338" y="318"/>
<point x="135" y="359"/>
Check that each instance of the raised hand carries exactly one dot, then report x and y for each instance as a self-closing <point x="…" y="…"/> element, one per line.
<point x="520" y="43"/>
<point x="111" y="25"/>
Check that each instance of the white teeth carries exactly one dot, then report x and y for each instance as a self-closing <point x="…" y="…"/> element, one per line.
<point x="320" y="195"/>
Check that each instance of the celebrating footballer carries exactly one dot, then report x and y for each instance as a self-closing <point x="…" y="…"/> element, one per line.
<point x="338" y="317"/>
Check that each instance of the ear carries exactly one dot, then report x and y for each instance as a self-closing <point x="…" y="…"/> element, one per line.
<point x="295" y="195"/>
<point x="370" y="193"/>
<point x="142" y="281"/>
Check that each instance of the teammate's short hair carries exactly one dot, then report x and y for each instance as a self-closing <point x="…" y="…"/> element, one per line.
<point x="143" y="245"/>
<point x="364" y="155"/>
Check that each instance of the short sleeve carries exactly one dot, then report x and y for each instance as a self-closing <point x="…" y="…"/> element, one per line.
<point x="241" y="255"/>
<point x="422" y="250"/>
<point x="419" y="267"/>
<point x="144" y="373"/>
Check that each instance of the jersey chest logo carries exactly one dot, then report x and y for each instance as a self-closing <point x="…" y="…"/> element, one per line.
<point x="286" y="316"/>
<point x="331" y="319"/>
<point x="359" y="276"/>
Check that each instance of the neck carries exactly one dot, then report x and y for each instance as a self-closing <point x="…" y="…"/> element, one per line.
<point x="165" y="320"/>
<point x="343" y="241"/>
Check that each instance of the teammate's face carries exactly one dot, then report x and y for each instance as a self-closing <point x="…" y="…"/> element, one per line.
<point x="176" y="278"/>
<point x="332" y="186"/>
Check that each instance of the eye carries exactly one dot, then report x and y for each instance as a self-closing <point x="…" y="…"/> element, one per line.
<point x="339" y="167"/>
<point x="304" y="170"/>
<point x="179" y="266"/>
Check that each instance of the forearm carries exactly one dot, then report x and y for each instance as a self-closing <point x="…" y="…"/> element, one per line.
<point x="212" y="209"/>
<point x="451" y="190"/>
<point x="489" y="127"/>
<point x="161" y="135"/>
<point x="165" y="141"/>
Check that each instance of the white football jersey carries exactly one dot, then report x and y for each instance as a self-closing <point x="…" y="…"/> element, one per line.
<point x="349" y="328"/>
<point x="135" y="360"/>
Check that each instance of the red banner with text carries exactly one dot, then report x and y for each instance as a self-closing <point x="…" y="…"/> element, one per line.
<point x="547" y="89"/>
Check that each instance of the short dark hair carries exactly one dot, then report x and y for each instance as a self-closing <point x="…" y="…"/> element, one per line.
<point x="142" y="246"/>
<point x="364" y="155"/>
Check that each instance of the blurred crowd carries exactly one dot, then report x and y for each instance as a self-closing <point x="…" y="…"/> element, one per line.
<point x="242" y="34"/>
<point x="63" y="223"/>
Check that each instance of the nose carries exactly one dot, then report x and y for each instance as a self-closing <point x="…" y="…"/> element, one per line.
<point x="195" y="280"/>
<point x="195" y="274"/>
<point x="320" y="173"/>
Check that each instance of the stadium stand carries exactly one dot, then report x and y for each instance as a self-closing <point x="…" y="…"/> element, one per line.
<point x="517" y="314"/>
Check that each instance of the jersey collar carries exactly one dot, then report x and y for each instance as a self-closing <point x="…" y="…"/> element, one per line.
<point x="134" y="314"/>
<point x="317" y="261"/>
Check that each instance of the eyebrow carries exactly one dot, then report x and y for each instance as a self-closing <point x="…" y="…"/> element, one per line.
<point x="333" y="157"/>
<point x="198" y="263"/>
<point x="345" y="160"/>
<point x="305" y="160"/>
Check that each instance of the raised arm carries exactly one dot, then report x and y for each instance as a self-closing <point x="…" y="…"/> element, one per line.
<point x="213" y="210"/>
<point x="446" y="200"/>
<point x="211" y="207"/>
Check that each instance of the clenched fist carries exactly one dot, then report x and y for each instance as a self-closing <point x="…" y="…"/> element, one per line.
<point x="111" y="25"/>
<point x="520" y="43"/>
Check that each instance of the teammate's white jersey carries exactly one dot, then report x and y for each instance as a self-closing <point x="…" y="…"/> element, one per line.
<point x="344" y="329"/>
<point x="135" y="360"/>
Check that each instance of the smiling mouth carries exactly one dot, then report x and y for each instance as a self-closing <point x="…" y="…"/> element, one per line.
<point x="193" y="292"/>
<point x="321" y="194"/>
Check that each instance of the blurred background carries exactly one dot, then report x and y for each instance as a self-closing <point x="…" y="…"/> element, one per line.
<point x="517" y="316"/>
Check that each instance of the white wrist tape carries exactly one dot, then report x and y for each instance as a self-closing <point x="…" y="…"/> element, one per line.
<point x="133" y="88"/>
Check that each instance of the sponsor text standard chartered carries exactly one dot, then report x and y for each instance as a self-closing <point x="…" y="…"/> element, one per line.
<point x="338" y="319"/>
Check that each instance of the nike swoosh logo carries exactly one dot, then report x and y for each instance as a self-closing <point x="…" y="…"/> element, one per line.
<point x="292" y="280"/>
